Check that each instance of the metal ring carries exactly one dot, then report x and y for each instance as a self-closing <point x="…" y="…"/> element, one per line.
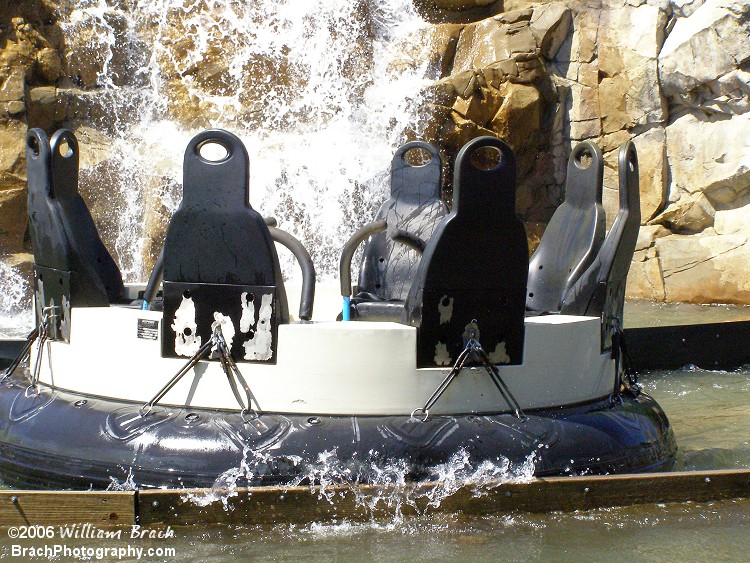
<point x="245" y="419"/>
<point x="36" y="391"/>
<point x="418" y="409"/>
<point x="145" y="410"/>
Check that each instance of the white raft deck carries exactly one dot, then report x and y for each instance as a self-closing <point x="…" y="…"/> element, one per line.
<point x="330" y="368"/>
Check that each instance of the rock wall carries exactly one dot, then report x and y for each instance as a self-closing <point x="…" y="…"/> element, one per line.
<point x="673" y="75"/>
<point x="30" y="47"/>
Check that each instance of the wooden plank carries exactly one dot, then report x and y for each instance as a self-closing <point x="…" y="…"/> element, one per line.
<point x="265" y="505"/>
<point x="105" y="508"/>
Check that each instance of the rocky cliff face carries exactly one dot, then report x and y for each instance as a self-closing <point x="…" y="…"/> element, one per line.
<point x="30" y="56"/>
<point x="674" y="76"/>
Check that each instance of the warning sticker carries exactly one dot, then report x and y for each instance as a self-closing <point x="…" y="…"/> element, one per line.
<point x="148" y="329"/>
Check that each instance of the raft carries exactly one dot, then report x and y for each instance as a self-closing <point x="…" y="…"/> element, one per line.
<point x="452" y="350"/>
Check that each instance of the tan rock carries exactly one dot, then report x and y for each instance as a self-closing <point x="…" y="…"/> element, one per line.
<point x="13" y="150"/>
<point x="704" y="269"/>
<point x="613" y="104"/>
<point x="94" y="147"/>
<point x="648" y="234"/>
<point x="49" y="65"/>
<point x="12" y="89"/>
<point x="550" y="24"/>
<point x="12" y="213"/>
<point x="706" y="154"/>
<point x="653" y="171"/>
<point x="690" y="214"/>
<point x="645" y="277"/>
<point x="708" y="44"/>
<point x="44" y="108"/>
<point x="733" y="221"/>
<point x="519" y="117"/>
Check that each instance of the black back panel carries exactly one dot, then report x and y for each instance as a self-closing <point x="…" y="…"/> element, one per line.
<point x="68" y="253"/>
<point x="472" y="278"/>
<point x="573" y="236"/>
<point x="600" y="292"/>
<point x="76" y="215"/>
<point x="388" y="267"/>
<point x="219" y="259"/>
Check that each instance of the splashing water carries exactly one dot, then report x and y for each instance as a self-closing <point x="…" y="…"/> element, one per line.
<point x="15" y="303"/>
<point x="378" y="487"/>
<point x="318" y="91"/>
<point x="127" y="484"/>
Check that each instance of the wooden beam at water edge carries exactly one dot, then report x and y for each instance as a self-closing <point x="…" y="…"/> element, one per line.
<point x="266" y="505"/>
<point x="100" y="508"/>
<point x="269" y="505"/>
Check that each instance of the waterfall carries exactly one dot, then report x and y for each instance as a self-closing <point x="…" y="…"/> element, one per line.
<point x="320" y="91"/>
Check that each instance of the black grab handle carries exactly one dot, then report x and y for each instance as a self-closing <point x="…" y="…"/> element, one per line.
<point x="345" y="266"/>
<point x="307" y="297"/>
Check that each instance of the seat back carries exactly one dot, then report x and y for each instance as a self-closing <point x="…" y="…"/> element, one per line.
<point x="388" y="267"/>
<point x="472" y="277"/>
<point x="72" y="266"/>
<point x="573" y="236"/>
<point x="220" y="262"/>
<point x="600" y="291"/>
<point x="77" y="217"/>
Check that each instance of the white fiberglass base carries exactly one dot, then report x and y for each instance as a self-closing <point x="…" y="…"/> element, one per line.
<point x="334" y="368"/>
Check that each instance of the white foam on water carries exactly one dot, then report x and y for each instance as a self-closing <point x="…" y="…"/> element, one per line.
<point x="16" y="317"/>
<point x="381" y="489"/>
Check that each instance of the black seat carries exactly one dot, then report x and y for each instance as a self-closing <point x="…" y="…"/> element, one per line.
<point x="573" y="236"/>
<point x="220" y="261"/>
<point x="72" y="265"/>
<point x="472" y="277"/>
<point x="397" y="237"/>
<point x="600" y="291"/>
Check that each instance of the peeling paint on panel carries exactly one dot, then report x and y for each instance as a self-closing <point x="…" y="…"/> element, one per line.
<point x="186" y="342"/>
<point x="65" y="320"/>
<point x="445" y="308"/>
<point x="500" y="355"/>
<point x="259" y="345"/>
<point x="248" y="312"/>
<point x="442" y="358"/>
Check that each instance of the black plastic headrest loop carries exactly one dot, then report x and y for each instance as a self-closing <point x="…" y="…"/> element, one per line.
<point x="582" y="177"/>
<point x="485" y="190"/>
<point x="627" y="162"/>
<point x="64" y="153"/>
<point x="416" y="182"/>
<point x="222" y="182"/>
<point x="38" y="162"/>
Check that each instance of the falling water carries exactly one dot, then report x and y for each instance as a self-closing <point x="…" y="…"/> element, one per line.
<point x="318" y="91"/>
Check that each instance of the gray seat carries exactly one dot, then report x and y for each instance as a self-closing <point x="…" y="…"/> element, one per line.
<point x="573" y="236"/>
<point x="397" y="237"/>
<point x="600" y="291"/>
